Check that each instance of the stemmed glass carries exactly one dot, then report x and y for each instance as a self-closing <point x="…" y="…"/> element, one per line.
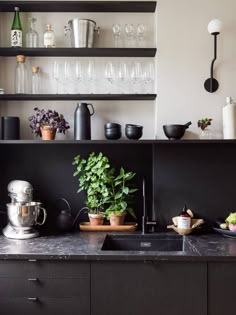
<point x="69" y="75"/>
<point x="116" y="29"/>
<point x="91" y="72"/>
<point x="149" y="75"/>
<point x="140" y="34"/>
<point x="123" y="75"/>
<point x="136" y="75"/>
<point x="78" y="72"/>
<point x="129" y="30"/>
<point x="110" y="72"/>
<point x="56" y="74"/>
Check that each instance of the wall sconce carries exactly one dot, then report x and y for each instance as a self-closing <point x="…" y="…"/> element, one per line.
<point x="214" y="28"/>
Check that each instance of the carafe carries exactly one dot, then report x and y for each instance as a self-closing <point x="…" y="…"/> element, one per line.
<point x="82" y="121"/>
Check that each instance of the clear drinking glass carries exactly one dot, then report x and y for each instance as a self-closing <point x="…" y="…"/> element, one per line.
<point x="123" y="75"/>
<point x="32" y="37"/>
<point x="130" y="34"/>
<point x="91" y="72"/>
<point x="56" y="74"/>
<point x="116" y="29"/>
<point x="149" y="76"/>
<point x="78" y="74"/>
<point x="140" y="32"/>
<point x="136" y="76"/>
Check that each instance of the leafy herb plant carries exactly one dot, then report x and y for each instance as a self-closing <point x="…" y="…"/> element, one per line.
<point x="119" y="191"/>
<point x="94" y="177"/>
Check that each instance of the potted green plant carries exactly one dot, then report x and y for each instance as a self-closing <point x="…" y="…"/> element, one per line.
<point x="45" y="123"/>
<point x="119" y="190"/>
<point x="94" y="176"/>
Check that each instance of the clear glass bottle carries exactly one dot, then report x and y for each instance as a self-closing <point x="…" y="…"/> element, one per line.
<point x="49" y="37"/>
<point x="35" y="80"/>
<point x="32" y="37"/>
<point x="20" y="75"/>
<point x="16" y="30"/>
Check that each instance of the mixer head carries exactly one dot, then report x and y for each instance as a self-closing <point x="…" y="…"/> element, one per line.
<point x="20" y="191"/>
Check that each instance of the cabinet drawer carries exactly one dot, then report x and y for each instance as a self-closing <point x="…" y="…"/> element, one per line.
<point x="45" y="306"/>
<point x="51" y="288"/>
<point x="44" y="269"/>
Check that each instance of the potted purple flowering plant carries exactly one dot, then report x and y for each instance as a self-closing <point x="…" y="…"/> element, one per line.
<point x="45" y="123"/>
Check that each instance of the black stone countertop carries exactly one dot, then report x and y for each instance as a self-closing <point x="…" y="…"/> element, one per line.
<point x="87" y="246"/>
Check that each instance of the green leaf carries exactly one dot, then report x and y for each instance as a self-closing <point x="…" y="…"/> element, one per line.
<point x="123" y="205"/>
<point x="118" y="195"/>
<point x="126" y="190"/>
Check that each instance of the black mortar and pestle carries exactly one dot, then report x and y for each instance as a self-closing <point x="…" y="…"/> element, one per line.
<point x="175" y="132"/>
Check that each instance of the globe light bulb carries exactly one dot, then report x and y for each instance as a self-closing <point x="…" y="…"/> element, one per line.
<point x="214" y="26"/>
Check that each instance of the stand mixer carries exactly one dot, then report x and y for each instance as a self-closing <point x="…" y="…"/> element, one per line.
<point x="22" y="212"/>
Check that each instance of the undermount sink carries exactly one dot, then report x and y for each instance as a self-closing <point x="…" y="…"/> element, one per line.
<point x="147" y="242"/>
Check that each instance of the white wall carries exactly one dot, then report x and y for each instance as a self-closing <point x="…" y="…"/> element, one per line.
<point x="185" y="51"/>
<point x="184" y="54"/>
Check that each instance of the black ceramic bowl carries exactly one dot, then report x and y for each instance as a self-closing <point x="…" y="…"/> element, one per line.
<point x="175" y="132"/>
<point x="133" y="132"/>
<point x="112" y="125"/>
<point x="112" y="133"/>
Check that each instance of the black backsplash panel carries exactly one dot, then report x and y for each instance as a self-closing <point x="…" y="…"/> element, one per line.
<point x="48" y="167"/>
<point x="202" y="176"/>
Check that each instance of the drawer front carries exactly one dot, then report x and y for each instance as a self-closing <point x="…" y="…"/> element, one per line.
<point x="51" y="288"/>
<point x="45" y="306"/>
<point x="44" y="269"/>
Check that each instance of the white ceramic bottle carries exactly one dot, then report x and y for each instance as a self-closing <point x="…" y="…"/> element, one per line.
<point x="229" y="119"/>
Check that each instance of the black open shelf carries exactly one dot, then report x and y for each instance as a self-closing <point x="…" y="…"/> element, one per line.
<point x="125" y="141"/>
<point x="79" y="6"/>
<point x="79" y="52"/>
<point x="74" y="97"/>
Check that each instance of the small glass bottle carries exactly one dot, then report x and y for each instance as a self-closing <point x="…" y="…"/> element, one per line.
<point x="21" y="75"/>
<point x="32" y="37"/>
<point x="184" y="219"/>
<point x="49" y="37"/>
<point x="16" y="30"/>
<point x="35" y="80"/>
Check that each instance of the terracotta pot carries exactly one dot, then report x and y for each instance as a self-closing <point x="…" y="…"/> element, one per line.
<point x="117" y="219"/>
<point x="96" y="219"/>
<point x="48" y="133"/>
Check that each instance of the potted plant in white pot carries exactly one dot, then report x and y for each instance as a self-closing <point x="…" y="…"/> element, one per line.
<point x="94" y="175"/>
<point x="118" y="199"/>
<point x="45" y="123"/>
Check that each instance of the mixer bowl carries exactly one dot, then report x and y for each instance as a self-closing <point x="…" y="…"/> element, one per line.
<point x="25" y="215"/>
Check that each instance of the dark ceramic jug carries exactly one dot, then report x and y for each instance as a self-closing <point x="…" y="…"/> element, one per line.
<point x="82" y="122"/>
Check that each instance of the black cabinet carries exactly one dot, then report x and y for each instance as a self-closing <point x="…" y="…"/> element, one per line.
<point x="158" y="288"/>
<point x="44" y="287"/>
<point x="221" y="288"/>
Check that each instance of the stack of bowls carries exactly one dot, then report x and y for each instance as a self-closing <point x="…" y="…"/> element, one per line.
<point x="112" y="131"/>
<point x="134" y="132"/>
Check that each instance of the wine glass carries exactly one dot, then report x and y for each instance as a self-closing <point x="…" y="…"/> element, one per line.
<point x="140" y="31"/>
<point x="110" y="72"/>
<point x="116" y="29"/>
<point x="136" y="75"/>
<point x="129" y="30"/>
<point x="78" y="72"/>
<point x="56" y="74"/>
<point x="91" y="72"/>
<point x="123" y="75"/>
<point x="149" y="75"/>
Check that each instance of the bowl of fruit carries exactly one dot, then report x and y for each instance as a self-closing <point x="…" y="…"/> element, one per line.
<point x="227" y="227"/>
